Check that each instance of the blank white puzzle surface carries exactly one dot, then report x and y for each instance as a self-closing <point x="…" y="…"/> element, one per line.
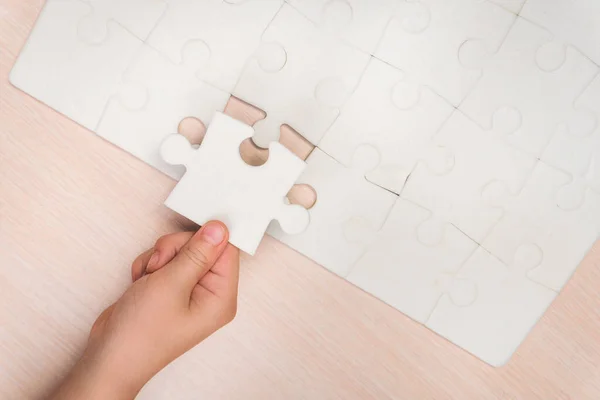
<point x="457" y="167"/>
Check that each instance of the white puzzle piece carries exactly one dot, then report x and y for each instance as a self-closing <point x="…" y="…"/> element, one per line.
<point x="58" y="68"/>
<point x="153" y="98"/>
<point x="529" y="87"/>
<point x="576" y="148"/>
<point x="343" y="194"/>
<point x="573" y="21"/>
<point x="300" y="76"/>
<point x="219" y="185"/>
<point x="137" y="16"/>
<point x="396" y="116"/>
<point x="230" y="32"/>
<point x="443" y="42"/>
<point x="359" y="22"/>
<point x="479" y="158"/>
<point x="533" y="217"/>
<point x="507" y="306"/>
<point x="403" y="268"/>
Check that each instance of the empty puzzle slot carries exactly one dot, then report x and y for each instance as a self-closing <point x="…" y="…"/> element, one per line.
<point x="192" y="129"/>
<point x="302" y="194"/>
<point x="244" y="112"/>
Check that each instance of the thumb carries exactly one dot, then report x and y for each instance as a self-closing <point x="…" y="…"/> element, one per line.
<point x="198" y="255"/>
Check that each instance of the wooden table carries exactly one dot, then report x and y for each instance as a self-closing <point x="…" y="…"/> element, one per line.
<point x="75" y="211"/>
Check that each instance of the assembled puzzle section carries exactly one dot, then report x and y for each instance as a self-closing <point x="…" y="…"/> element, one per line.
<point x="533" y="218"/>
<point x="479" y="157"/>
<point x="576" y="148"/>
<point x="229" y="30"/>
<point x="154" y="96"/>
<point x="138" y="17"/>
<point x="528" y="88"/>
<point x="573" y="21"/>
<point x="506" y="307"/>
<point x="358" y="22"/>
<point x="406" y="270"/>
<point x="397" y="117"/>
<point x="219" y="185"/>
<point x="59" y="68"/>
<point x="299" y="76"/>
<point x="344" y="196"/>
<point x="443" y="43"/>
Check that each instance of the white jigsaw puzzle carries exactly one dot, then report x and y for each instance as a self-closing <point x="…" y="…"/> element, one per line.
<point x="409" y="273"/>
<point x="396" y="116"/>
<point x="533" y="217"/>
<point x="506" y="307"/>
<point x="230" y="31"/>
<point x="219" y="185"/>
<point x="508" y="97"/>
<point x="469" y="220"/>
<point x="359" y="22"/>
<point x="153" y="98"/>
<point x="300" y="76"/>
<point x="573" y="21"/>
<point x="480" y="157"/>
<point x="343" y="193"/>
<point x="444" y="42"/>
<point x="60" y="69"/>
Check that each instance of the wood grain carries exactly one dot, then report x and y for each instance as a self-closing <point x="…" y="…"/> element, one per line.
<point x="75" y="211"/>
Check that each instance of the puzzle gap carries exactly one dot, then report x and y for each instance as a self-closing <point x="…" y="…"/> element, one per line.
<point x="243" y="111"/>
<point x="193" y="129"/>
<point x="303" y="195"/>
<point x="252" y="154"/>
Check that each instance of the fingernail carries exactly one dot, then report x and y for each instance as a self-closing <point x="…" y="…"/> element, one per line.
<point x="213" y="233"/>
<point x="153" y="260"/>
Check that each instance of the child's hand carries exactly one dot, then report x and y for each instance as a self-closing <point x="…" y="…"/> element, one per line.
<point x="189" y="290"/>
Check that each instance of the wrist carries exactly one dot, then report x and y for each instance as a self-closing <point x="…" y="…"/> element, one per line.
<point x="93" y="377"/>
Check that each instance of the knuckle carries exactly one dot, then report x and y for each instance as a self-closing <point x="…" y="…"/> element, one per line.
<point x="196" y="255"/>
<point x="161" y="242"/>
<point x="230" y="311"/>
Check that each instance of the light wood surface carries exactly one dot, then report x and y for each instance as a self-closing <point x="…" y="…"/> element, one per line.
<point x="75" y="211"/>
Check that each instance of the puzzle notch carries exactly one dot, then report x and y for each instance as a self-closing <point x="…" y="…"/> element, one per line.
<point x="218" y="184"/>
